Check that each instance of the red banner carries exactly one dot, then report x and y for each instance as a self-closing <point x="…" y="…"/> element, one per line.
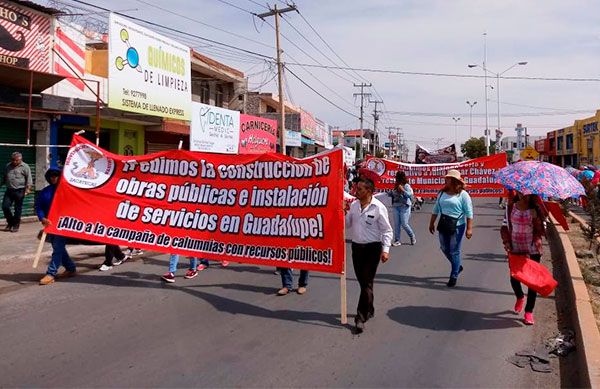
<point x="257" y="135"/>
<point x="265" y="209"/>
<point x="427" y="180"/>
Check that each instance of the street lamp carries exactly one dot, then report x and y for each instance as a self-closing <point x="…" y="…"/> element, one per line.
<point x="471" y="117"/>
<point x="522" y="63"/>
<point x="485" y="70"/>
<point x="456" y="119"/>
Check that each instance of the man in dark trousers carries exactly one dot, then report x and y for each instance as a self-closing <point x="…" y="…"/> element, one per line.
<point x="372" y="234"/>
<point x="60" y="256"/>
<point x="18" y="181"/>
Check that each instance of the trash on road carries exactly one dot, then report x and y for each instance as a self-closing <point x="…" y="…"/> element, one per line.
<point x="562" y="343"/>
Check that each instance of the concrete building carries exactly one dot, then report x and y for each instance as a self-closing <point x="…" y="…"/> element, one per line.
<point x="513" y="145"/>
<point x="305" y="134"/>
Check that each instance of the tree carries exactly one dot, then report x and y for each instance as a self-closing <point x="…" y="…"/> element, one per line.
<point x="473" y="148"/>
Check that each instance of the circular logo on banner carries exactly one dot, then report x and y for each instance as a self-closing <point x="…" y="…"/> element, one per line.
<point x="87" y="168"/>
<point x="376" y="165"/>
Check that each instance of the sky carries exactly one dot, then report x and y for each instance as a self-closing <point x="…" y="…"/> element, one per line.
<point x="557" y="39"/>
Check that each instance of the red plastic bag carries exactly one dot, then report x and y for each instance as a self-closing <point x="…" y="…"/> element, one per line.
<point x="532" y="274"/>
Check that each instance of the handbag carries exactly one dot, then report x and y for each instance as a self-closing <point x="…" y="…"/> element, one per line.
<point x="447" y="224"/>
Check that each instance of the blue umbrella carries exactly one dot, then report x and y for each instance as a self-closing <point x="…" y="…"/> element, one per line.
<point x="585" y="174"/>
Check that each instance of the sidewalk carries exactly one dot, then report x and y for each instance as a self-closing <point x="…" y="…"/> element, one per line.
<point x="18" y="252"/>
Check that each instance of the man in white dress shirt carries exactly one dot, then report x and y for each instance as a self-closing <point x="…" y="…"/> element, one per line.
<point x="372" y="234"/>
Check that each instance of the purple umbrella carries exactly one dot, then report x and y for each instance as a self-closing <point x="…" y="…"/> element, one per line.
<point x="540" y="178"/>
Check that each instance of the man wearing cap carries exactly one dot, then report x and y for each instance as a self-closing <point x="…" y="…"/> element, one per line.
<point x="18" y="181"/>
<point x="455" y="208"/>
<point x="372" y="234"/>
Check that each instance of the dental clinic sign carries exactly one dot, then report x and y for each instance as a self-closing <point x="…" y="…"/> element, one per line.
<point x="214" y="129"/>
<point x="147" y="72"/>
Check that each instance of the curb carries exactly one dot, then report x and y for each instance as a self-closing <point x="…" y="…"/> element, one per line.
<point x="588" y="335"/>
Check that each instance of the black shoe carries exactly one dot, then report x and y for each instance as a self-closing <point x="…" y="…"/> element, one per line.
<point x="460" y="269"/>
<point x="451" y="282"/>
<point x="15" y="229"/>
<point x="8" y="228"/>
<point x="359" y="327"/>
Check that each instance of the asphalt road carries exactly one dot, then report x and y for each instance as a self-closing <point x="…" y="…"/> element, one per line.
<point x="226" y="328"/>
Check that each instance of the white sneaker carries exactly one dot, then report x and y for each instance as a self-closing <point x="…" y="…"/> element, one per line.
<point x="105" y="268"/>
<point x="118" y="262"/>
<point x="396" y="243"/>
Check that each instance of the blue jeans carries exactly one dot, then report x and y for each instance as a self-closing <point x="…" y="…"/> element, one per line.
<point x="59" y="255"/>
<point x="450" y="246"/>
<point x="174" y="260"/>
<point x="401" y="218"/>
<point x="287" y="278"/>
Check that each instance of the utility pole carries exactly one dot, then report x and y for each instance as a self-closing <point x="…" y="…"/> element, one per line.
<point x="389" y="141"/>
<point x="362" y="95"/>
<point x="277" y="12"/>
<point x="375" y="119"/>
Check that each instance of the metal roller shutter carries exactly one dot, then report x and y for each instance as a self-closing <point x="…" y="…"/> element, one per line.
<point x="15" y="131"/>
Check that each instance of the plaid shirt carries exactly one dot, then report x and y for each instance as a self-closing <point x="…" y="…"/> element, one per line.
<point x="522" y="234"/>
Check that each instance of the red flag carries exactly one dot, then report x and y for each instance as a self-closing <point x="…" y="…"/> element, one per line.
<point x="556" y="211"/>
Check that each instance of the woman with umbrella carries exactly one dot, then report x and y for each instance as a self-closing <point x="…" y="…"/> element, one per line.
<point x="523" y="225"/>
<point x="522" y="231"/>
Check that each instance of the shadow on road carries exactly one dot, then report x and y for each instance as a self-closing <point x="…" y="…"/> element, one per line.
<point x="222" y="304"/>
<point x="430" y="283"/>
<point x="488" y="257"/>
<point x="448" y="319"/>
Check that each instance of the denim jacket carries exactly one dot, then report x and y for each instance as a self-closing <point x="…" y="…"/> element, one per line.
<point x="402" y="199"/>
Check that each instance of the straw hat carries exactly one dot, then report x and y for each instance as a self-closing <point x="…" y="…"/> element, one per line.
<point x="453" y="173"/>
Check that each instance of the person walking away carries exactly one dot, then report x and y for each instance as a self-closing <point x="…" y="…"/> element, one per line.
<point x="522" y="231"/>
<point x="60" y="256"/>
<point x="372" y="234"/>
<point x="455" y="208"/>
<point x="287" y="281"/>
<point x="112" y="251"/>
<point x="18" y="181"/>
<point x="402" y="196"/>
<point x="173" y="261"/>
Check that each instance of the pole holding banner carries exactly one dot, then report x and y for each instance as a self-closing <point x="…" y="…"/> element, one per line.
<point x="39" y="249"/>
<point x="343" y="292"/>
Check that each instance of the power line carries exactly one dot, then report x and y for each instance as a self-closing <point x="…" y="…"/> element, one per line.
<point x="235" y="6"/>
<point x="312" y="44"/>
<point x="176" y="30"/>
<point x="514" y="114"/>
<point x="329" y="47"/>
<point x="323" y="97"/>
<point x="204" y="24"/>
<point x="434" y="74"/>
<point x="551" y="109"/>
<point x="259" y="4"/>
<point x="307" y="54"/>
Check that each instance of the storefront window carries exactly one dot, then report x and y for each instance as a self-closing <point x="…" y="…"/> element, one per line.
<point x="204" y="93"/>
<point x="569" y="141"/>
<point x="219" y="96"/>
